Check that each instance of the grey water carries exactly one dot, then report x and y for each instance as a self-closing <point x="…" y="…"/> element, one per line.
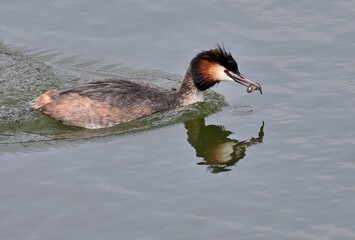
<point x="239" y="166"/>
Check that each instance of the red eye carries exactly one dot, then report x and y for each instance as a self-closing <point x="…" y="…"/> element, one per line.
<point x="226" y="71"/>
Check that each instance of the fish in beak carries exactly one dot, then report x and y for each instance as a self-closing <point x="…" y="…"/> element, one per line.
<point x="249" y="84"/>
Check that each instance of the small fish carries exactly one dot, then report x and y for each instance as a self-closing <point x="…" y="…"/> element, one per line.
<point x="252" y="87"/>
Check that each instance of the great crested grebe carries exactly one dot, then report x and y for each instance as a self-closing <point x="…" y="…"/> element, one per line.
<point x="108" y="102"/>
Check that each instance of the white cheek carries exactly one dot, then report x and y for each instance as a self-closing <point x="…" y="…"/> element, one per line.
<point x="222" y="76"/>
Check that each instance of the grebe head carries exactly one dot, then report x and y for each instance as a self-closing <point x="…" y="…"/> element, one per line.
<point x="211" y="67"/>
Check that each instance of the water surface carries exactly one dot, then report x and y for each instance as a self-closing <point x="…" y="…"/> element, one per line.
<point x="248" y="166"/>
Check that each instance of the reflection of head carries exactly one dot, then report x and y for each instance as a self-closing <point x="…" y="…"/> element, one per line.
<point x="213" y="145"/>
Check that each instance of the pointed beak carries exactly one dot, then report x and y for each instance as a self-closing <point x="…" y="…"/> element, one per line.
<point x="251" y="85"/>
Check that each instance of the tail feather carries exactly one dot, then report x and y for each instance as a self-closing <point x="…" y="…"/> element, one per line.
<point x="8" y="113"/>
<point x="43" y="99"/>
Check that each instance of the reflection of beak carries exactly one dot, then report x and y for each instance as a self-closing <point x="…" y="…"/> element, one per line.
<point x="251" y="86"/>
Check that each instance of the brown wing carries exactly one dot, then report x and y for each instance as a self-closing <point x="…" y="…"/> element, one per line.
<point x="74" y="109"/>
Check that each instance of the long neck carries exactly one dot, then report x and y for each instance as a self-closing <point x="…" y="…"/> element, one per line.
<point x="188" y="92"/>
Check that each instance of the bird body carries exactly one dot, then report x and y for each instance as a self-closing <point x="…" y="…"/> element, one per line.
<point x="108" y="102"/>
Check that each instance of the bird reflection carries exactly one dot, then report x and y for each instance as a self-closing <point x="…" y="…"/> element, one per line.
<point x="219" y="152"/>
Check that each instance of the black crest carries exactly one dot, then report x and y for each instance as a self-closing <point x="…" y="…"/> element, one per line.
<point x="217" y="55"/>
<point x="223" y="57"/>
